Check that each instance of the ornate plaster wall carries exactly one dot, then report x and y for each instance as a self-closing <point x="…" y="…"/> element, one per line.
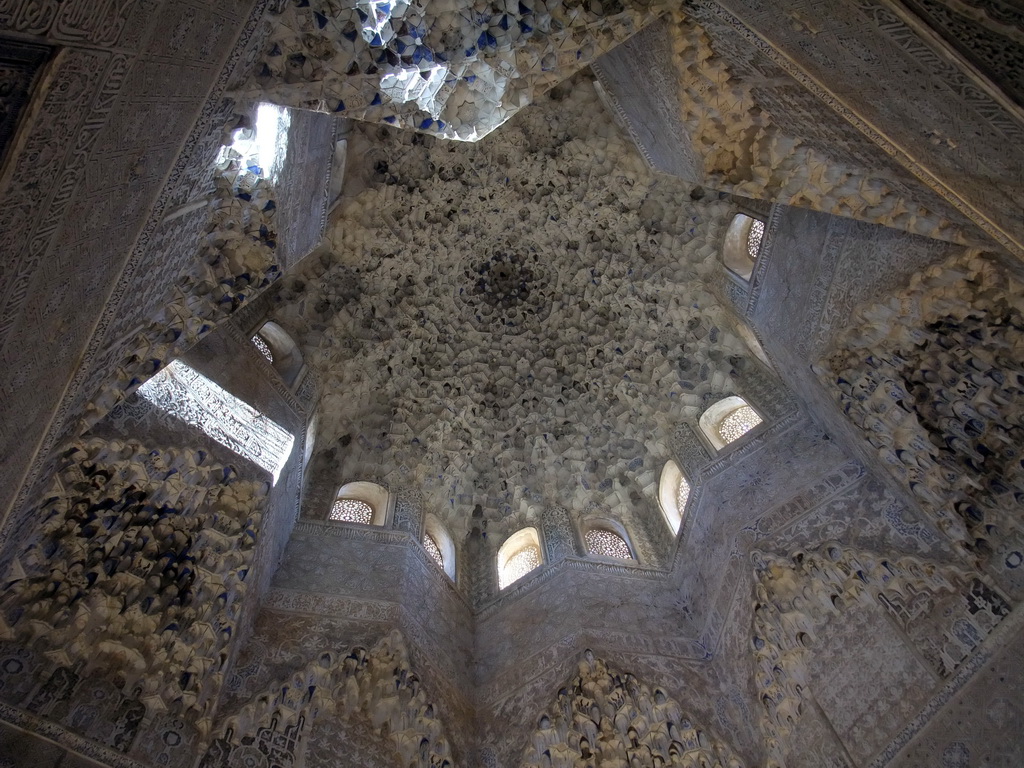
<point x="108" y="122"/>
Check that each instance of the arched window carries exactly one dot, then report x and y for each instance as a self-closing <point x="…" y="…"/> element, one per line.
<point x="274" y="343"/>
<point x="439" y="545"/>
<point x="728" y="420"/>
<point x="361" y="502"/>
<point x="673" y="494"/>
<point x="742" y="245"/>
<point x="606" y="538"/>
<point x="519" y="555"/>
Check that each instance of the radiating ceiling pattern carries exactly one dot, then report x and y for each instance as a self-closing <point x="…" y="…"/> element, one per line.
<point x="514" y="323"/>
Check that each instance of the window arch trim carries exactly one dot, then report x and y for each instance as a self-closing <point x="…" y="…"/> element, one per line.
<point x="377" y="497"/>
<point x="668" y="496"/>
<point x="285" y="353"/>
<point x="711" y="420"/>
<point x="518" y="542"/>
<point x="436" y="530"/>
<point x="742" y="244"/>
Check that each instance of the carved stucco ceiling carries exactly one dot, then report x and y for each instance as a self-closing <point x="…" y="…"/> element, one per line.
<point x="515" y="323"/>
<point x="457" y="69"/>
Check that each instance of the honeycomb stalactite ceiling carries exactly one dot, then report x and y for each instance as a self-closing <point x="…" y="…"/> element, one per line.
<point x="456" y="69"/>
<point x="517" y="322"/>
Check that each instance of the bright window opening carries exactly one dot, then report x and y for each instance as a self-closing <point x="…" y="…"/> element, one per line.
<point x="261" y="345"/>
<point x="260" y="150"/>
<point x="519" y="555"/>
<point x="682" y="493"/>
<point x="433" y="550"/>
<point x="188" y="395"/>
<point x="738" y="423"/>
<point x="742" y="244"/>
<point x="754" y="238"/>
<point x="606" y="544"/>
<point x="351" y="511"/>
<point x="439" y="544"/>
<point x="728" y="420"/>
<point x="673" y="494"/>
<point x="520" y="564"/>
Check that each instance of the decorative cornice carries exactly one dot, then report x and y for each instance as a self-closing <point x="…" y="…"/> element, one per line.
<point x="65" y="738"/>
<point x="353" y="531"/>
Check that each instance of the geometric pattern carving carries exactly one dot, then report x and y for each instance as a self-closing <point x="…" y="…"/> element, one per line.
<point x="738" y="423"/>
<point x="351" y="511"/>
<point x="520" y="564"/>
<point x="188" y="395"/>
<point x="432" y="549"/>
<point x="606" y="544"/>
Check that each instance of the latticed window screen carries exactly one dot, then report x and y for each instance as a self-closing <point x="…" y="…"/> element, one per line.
<point x="738" y="423"/>
<point x="682" y="495"/>
<point x="520" y="564"/>
<point x="754" y="238"/>
<point x="186" y="394"/>
<point x="261" y="345"/>
<point x="352" y="511"/>
<point x="606" y="544"/>
<point x="432" y="549"/>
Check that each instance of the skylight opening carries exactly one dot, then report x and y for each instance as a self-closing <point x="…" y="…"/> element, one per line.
<point x="261" y="150"/>
<point x="186" y="394"/>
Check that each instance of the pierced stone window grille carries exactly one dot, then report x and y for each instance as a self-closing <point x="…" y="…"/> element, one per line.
<point x="727" y="421"/>
<point x="519" y="564"/>
<point x="606" y="544"/>
<point x="742" y="245"/>
<point x="754" y="238"/>
<point x="351" y="511"/>
<point x="738" y="423"/>
<point x="186" y="394"/>
<point x="433" y="550"/>
<point x="682" y="494"/>
<point x="261" y="345"/>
